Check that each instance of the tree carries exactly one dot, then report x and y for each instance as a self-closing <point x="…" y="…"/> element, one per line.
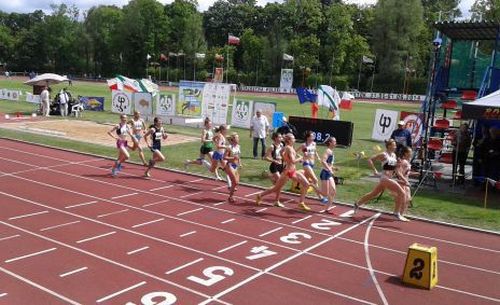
<point x="396" y="28"/>
<point x="486" y="10"/>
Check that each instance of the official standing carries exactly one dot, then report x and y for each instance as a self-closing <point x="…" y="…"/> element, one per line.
<point x="259" y="126"/>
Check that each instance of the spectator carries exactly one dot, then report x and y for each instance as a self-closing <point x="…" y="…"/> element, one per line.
<point x="402" y="136"/>
<point x="258" y="130"/>
<point x="63" y="102"/>
<point x="45" y="101"/>
<point x="461" y="148"/>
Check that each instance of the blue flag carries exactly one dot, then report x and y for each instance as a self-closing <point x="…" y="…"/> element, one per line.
<point x="306" y="95"/>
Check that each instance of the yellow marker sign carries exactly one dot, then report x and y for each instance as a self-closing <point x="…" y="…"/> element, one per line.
<point x="421" y="266"/>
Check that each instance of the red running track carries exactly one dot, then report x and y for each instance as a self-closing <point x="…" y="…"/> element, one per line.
<point x="72" y="234"/>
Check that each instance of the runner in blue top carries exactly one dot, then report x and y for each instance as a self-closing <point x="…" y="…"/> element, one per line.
<point x="328" y="188"/>
<point x="157" y="133"/>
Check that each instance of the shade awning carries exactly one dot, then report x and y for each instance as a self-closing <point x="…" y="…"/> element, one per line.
<point x="477" y="30"/>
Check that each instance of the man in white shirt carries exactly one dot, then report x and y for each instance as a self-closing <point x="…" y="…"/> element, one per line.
<point x="258" y="130"/>
<point x="45" y="101"/>
<point x="63" y="102"/>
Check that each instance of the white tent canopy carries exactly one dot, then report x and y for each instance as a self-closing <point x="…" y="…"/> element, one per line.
<point x="487" y="107"/>
<point x="46" y="79"/>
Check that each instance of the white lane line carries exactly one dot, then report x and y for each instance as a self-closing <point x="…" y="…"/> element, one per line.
<point x="189" y="212"/>
<point x="137" y="250"/>
<point x="80" y="204"/>
<point x="269" y="232"/>
<point x="112" y="213"/>
<point x="123" y="196"/>
<point x="59" y="226"/>
<point x="187" y="234"/>
<point x="120" y="292"/>
<point x="73" y="271"/>
<point x="161" y="188"/>
<point x="219" y="187"/>
<point x="196" y="180"/>
<point x="301" y="219"/>
<point x="330" y="208"/>
<point x="184" y="266"/>
<point x="147" y="223"/>
<point x="190" y="194"/>
<point x="251" y="194"/>
<point x="10" y="260"/>
<point x="3" y="294"/>
<point x="9" y="237"/>
<point x="369" y="262"/>
<point x="95" y="237"/>
<point x="28" y="215"/>
<point x="261" y="210"/>
<point x="218" y="203"/>
<point x="233" y="246"/>
<point x="347" y="214"/>
<point x="229" y="220"/>
<point x="65" y="299"/>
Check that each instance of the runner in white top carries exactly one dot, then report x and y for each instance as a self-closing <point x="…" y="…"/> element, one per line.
<point x="120" y="132"/>
<point x="233" y="159"/>
<point x="308" y="149"/>
<point x="138" y="129"/>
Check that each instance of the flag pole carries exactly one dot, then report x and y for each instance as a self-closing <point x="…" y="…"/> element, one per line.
<point x="486" y="193"/>
<point x="227" y="65"/>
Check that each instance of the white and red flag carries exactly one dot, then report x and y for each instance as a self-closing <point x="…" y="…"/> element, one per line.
<point x="233" y="40"/>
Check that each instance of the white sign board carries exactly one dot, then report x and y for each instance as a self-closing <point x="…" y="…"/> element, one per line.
<point x="242" y="113"/>
<point x="165" y="105"/>
<point x="286" y="80"/>
<point x="384" y="123"/>
<point x="215" y="102"/>
<point x="31" y="98"/>
<point x="143" y="102"/>
<point x="121" y="102"/>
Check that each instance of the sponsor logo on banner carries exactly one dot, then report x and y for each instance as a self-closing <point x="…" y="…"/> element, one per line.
<point x="121" y="102"/>
<point x="286" y="78"/>
<point x="383" y="125"/>
<point x="30" y="98"/>
<point x="190" y="98"/>
<point x="413" y="122"/>
<point x="242" y="113"/>
<point x="268" y="109"/>
<point x="92" y="103"/>
<point x="216" y="102"/>
<point x="11" y="95"/>
<point x="143" y="102"/>
<point x="166" y="105"/>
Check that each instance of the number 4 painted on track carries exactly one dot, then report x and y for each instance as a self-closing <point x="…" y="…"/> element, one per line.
<point x="260" y="252"/>
<point x="157" y="298"/>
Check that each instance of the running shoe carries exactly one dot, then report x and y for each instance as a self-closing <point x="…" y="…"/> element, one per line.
<point x="147" y="174"/>
<point x="113" y="172"/>
<point x="356" y="208"/>
<point x="119" y="167"/>
<point x="258" y="199"/>
<point x="304" y="207"/>
<point x="401" y="217"/>
<point x="279" y="204"/>
<point x="324" y="200"/>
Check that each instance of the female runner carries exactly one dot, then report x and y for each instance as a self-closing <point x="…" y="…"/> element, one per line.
<point x="328" y="188"/>
<point x="157" y="133"/>
<point x="138" y="128"/>
<point x="290" y="157"/>
<point x="220" y="149"/>
<point x="120" y="132"/>
<point x="389" y="164"/>
<point x="232" y="158"/>
<point x="207" y="145"/>
<point x="273" y="155"/>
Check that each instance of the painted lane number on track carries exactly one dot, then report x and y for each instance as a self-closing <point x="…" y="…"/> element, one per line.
<point x="293" y="238"/>
<point x="212" y="278"/>
<point x="260" y="252"/>
<point x="325" y="224"/>
<point x="157" y="298"/>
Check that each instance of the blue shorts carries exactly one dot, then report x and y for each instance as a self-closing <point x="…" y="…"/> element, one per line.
<point x="325" y="175"/>
<point x="233" y="165"/>
<point x="218" y="156"/>
<point x="305" y="163"/>
<point x="138" y="137"/>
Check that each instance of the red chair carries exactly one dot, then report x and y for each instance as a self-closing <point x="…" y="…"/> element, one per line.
<point x="449" y="104"/>
<point x="442" y="124"/>
<point x="457" y="115"/>
<point x="438" y="175"/>
<point x="469" y="95"/>
<point x="447" y="158"/>
<point x="435" y="144"/>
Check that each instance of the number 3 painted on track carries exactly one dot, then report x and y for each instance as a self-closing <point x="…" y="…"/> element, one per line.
<point x="293" y="237"/>
<point x="212" y="277"/>
<point x="157" y="298"/>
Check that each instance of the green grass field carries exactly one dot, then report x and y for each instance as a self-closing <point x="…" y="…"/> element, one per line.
<point x="432" y="204"/>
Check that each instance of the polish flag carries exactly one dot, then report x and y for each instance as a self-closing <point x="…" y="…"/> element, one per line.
<point x="233" y="40"/>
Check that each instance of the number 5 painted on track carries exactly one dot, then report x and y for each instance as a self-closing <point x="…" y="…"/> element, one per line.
<point x="212" y="277"/>
<point x="157" y="298"/>
<point x="293" y="237"/>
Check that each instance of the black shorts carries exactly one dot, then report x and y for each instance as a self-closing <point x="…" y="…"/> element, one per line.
<point x="205" y="149"/>
<point x="274" y="167"/>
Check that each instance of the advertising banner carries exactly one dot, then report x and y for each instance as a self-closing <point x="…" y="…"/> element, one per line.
<point x="190" y="98"/>
<point x="242" y="113"/>
<point x="92" y="103"/>
<point x="121" y="102"/>
<point x="286" y="80"/>
<point x="216" y="102"/>
<point x="384" y="123"/>
<point x="143" y="102"/>
<point x="166" y="105"/>
<point x="414" y="123"/>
